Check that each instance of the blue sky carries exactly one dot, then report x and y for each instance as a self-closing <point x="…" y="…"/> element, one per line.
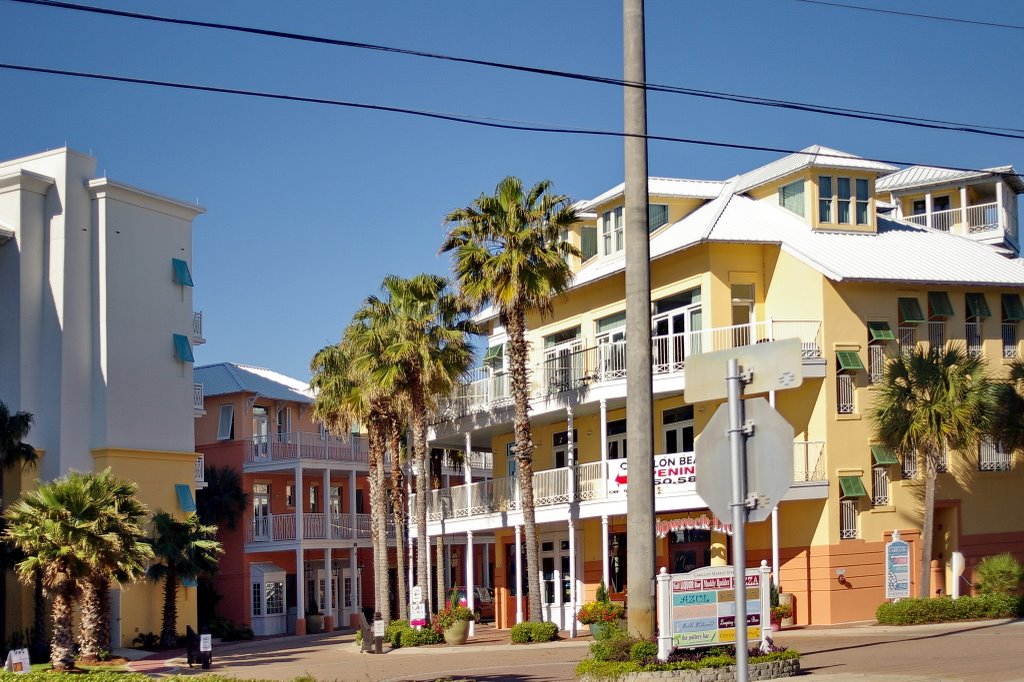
<point x="309" y="206"/>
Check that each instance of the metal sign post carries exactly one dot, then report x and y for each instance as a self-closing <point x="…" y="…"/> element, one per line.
<point x="737" y="445"/>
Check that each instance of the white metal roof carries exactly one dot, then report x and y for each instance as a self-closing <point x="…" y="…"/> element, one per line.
<point x="926" y="176"/>
<point x="229" y="377"/>
<point x="264" y="569"/>
<point x="815" y="155"/>
<point x="664" y="187"/>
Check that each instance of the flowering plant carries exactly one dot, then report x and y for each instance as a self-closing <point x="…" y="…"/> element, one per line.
<point x="781" y="611"/>
<point x="447" y="617"/>
<point x="600" y="612"/>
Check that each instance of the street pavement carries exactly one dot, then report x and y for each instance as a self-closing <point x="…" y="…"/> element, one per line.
<point x="977" y="651"/>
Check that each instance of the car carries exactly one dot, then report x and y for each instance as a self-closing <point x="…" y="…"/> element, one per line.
<point x="483" y="601"/>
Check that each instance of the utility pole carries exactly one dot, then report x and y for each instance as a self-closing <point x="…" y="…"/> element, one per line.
<point x="639" y="402"/>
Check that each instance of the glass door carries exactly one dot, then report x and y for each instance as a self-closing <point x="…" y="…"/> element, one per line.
<point x="260" y="433"/>
<point x="261" y="511"/>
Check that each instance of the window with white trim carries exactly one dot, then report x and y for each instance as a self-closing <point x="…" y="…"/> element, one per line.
<point x="511" y="465"/>
<point x="908" y="468"/>
<point x="275" y="598"/>
<point x="880" y="485"/>
<point x="612" y="239"/>
<point x="844" y="201"/>
<point x="226" y="423"/>
<point x="588" y="242"/>
<point x="257" y="599"/>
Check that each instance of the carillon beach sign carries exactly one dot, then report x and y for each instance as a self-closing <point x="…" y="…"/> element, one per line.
<point x="673" y="473"/>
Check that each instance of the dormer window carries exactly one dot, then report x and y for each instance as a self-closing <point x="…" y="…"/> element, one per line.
<point x="843" y="201"/>
<point x="611" y="231"/>
<point x="791" y="197"/>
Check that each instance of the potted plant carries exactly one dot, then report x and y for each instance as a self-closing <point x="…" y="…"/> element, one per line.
<point x="453" y="623"/>
<point x="314" y="619"/>
<point x="780" y="613"/>
<point x="602" y="614"/>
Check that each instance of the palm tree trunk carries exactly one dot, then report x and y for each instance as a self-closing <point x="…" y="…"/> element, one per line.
<point x="61" y="656"/>
<point x="94" y="637"/>
<point x="384" y="601"/>
<point x="419" y="448"/>
<point x="168" y="631"/>
<point x="379" y="557"/>
<point x="38" y="644"/>
<point x="441" y="578"/>
<point x="928" y="527"/>
<point x="398" y="513"/>
<point x="516" y="326"/>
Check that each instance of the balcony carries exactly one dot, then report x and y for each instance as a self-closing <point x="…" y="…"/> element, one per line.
<point x="200" y="471"/>
<point x="986" y="222"/>
<point x="278" y="448"/>
<point x="572" y="367"/>
<point x="198" y="406"/>
<point x="197" y="328"/>
<point x="315" y="526"/>
<point x="592" y="483"/>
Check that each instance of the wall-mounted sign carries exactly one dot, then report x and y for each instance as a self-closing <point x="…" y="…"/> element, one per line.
<point x="701" y="521"/>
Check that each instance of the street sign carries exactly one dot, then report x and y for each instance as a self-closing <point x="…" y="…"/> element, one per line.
<point x="769" y="460"/>
<point x="897" y="568"/>
<point x="775" y="365"/>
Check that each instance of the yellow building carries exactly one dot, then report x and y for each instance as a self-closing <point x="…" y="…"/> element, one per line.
<point x="852" y="257"/>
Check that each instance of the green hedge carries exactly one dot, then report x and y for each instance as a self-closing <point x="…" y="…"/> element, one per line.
<point x="613" y="669"/>
<point x="944" y="609"/>
<point x="524" y="633"/>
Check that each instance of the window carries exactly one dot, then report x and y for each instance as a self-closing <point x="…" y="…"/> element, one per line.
<point x="791" y="197"/>
<point x="843" y="213"/>
<point x="1013" y="312"/>
<point x="940" y="203"/>
<point x="588" y="242"/>
<point x="883" y="458"/>
<point x="314" y="499"/>
<point x="851" y="488"/>
<point x="910" y="316"/>
<point x="847" y="362"/>
<point x="863" y="201"/>
<point x="289" y="494"/>
<point x="942" y="459"/>
<point x="879" y="336"/>
<point x="182" y="348"/>
<point x="977" y="311"/>
<point x="992" y="457"/>
<point x="185" y="499"/>
<point x="284" y="421"/>
<point x="511" y="465"/>
<point x="825" y="199"/>
<point x="909" y="468"/>
<point x="182" y="276"/>
<point x="360" y="505"/>
<point x="657" y="215"/>
<point x="275" y="598"/>
<point x="616" y="431"/>
<point x="226" y="423"/>
<point x="611" y="231"/>
<point x="257" y="599"/>
<point x="560" y="445"/>
<point x="939" y="308"/>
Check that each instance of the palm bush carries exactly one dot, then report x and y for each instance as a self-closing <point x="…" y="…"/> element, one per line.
<point x="998" y="574"/>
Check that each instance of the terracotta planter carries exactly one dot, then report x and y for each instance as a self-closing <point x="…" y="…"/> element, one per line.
<point x="457" y="633"/>
<point x="314" y="623"/>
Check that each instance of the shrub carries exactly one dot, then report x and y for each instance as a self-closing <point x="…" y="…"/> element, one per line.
<point x="524" y="633"/>
<point x="229" y="631"/>
<point x="602" y="592"/>
<point x="944" y="609"/>
<point x="600" y="612"/>
<point x="393" y="631"/>
<point x="688" y="660"/>
<point x="399" y="633"/>
<point x="520" y="633"/>
<point x="998" y="574"/>
<point x="146" y="640"/>
<point x="643" y="652"/>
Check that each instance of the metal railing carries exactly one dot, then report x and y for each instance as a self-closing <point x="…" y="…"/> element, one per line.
<point x="974" y="346"/>
<point x="880" y="486"/>
<point x="315" y="526"/>
<point x="908" y="467"/>
<point x="844" y="394"/>
<point x="809" y="461"/>
<point x="197" y="326"/>
<point x="907" y="335"/>
<point x="198" y="403"/>
<point x="281" y="447"/>
<point x="876" y="362"/>
<point x="572" y="367"/>
<point x="983" y="218"/>
<point x="201" y="470"/>
<point x="937" y="333"/>
<point x="993" y="458"/>
<point x="848" y="519"/>
<point x="1009" y="334"/>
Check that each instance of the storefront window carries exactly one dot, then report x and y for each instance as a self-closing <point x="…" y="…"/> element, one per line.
<point x="689" y="550"/>
<point x="617" y="562"/>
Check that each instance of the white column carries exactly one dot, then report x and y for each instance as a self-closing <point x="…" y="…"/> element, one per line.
<point x="572" y="576"/>
<point x="408" y="524"/>
<point x="604" y="549"/>
<point x="300" y="495"/>
<point x="300" y="587"/>
<point x="353" y="579"/>
<point x="570" y="457"/>
<point x="519" y="575"/>
<point x="1001" y="203"/>
<point x="352" y="501"/>
<point x="467" y="468"/>
<point x="326" y="503"/>
<point x="604" y="458"/>
<point x="469" y="578"/>
<point x="485" y="569"/>
<point x="928" y="209"/>
<point x="963" y="210"/>
<point x="775" y="521"/>
<point x="328" y="605"/>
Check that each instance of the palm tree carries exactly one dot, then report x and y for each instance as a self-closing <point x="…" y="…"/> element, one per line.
<point x="422" y="330"/>
<point x="1008" y="413"/>
<point x="224" y="500"/>
<point x="928" y="400"/>
<point x="14" y="451"/>
<point x="509" y="252"/>
<point x="397" y="482"/>
<point x="121" y="556"/>
<point x="57" y="527"/>
<point x="183" y="550"/>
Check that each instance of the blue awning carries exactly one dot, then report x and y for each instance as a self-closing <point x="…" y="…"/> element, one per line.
<point x="188" y="504"/>
<point x="182" y="275"/>
<point x="182" y="348"/>
<point x="189" y="582"/>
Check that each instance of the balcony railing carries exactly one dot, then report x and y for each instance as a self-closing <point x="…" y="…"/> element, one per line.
<point x="200" y="471"/>
<point x="198" y="406"/>
<point x="844" y="394"/>
<point x="587" y="482"/>
<point x="848" y="519"/>
<point x="571" y="367"/>
<point x="980" y="218"/>
<point x="283" y="447"/>
<point x="1009" y="333"/>
<point x="315" y="526"/>
<point x="197" y="327"/>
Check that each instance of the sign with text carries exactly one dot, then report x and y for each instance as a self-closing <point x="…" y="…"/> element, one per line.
<point x="703" y="606"/>
<point x="674" y="473"/>
<point x="897" y="569"/>
<point x="418" y="614"/>
<point x="17" y="661"/>
<point x="206" y="642"/>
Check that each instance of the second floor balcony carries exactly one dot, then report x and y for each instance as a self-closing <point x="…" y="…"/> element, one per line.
<point x="315" y="527"/>
<point x="264" y="451"/>
<point x="572" y="366"/>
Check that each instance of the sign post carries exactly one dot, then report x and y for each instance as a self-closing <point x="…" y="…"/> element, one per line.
<point x="897" y="568"/>
<point x="206" y="651"/>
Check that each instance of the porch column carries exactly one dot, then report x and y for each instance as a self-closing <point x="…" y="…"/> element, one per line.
<point x="775" y="520"/>
<point x="328" y="526"/>
<point x="300" y="593"/>
<point x="570" y="458"/>
<point x="963" y="210"/>
<point x="352" y="502"/>
<point x="467" y="468"/>
<point x="485" y="570"/>
<point x="1001" y="203"/>
<point x="928" y="209"/>
<point x="572" y="575"/>
<point x="328" y="605"/>
<point x="469" y="578"/>
<point x="519" y="575"/>
<point x="604" y="549"/>
<point x="300" y="494"/>
<point x="353" y="585"/>
<point x="604" y="463"/>
<point x="408" y="525"/>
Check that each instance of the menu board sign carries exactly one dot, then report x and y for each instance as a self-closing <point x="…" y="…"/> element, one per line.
<point x="704" y="606"/>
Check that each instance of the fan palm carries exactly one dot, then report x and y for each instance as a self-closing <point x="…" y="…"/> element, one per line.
<point x="1008" y="414"/>
<point x="508" y="252"/>
<point x="422" y="330"/>
<point x="929" y="399"/>
<point x="183" y="550"/>
<point x="14" y="451"/>
<point x="59" y="527"/>
<point x="121" y="556"/>
<point x="224" y="501"/>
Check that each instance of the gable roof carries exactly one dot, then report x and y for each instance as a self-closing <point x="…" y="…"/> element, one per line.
<point x="229" y="377"/>
<point x="815" y="155"/>
<point x="927" y="176"/>
<point x="662" y="187"/>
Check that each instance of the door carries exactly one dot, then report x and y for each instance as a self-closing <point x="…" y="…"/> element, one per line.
<point x="611" y="354"/>
<point x="556" y="580"/>
<point x="260" y="433"/>
<point x="676" y="335"/>
<point x="261" y="512"/>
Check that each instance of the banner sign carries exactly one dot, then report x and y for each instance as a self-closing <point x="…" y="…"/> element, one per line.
<point x="897" y="569"/>
<point x="674" y="473"/>
<point x="700" y="606"/>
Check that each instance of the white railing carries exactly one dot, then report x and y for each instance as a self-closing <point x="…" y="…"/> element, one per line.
<point x="552" y="486"/>
<point x="993" y="458"/>
<point x="908" y="467"/>
<point x="880" y="486"/>
<point x="844" y="394"/>
<point x="809" y="461"/>
<point x="592" y="481"/>
<point x="937" y="333"/>
<point x="974" y="346"/>
<point x="197" y="327"/>
<point x="980" y="218"/>
<point x="197" y="398"/>
<point x="573" y="367"/>
<point x="848" y="519"/>
<point x="1009" y="333"/>
<point x="876" y="362"/>
<point x="201" y="470"/>
<point x="315" y="526"/>
<point x="907" y="336"/>
<point x="280" y="447"/>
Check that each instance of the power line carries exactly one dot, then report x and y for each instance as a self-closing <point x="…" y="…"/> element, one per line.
<point x="860" y="114"/>
<point x="456" y="118"/>
<point x="915" y="15"/>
